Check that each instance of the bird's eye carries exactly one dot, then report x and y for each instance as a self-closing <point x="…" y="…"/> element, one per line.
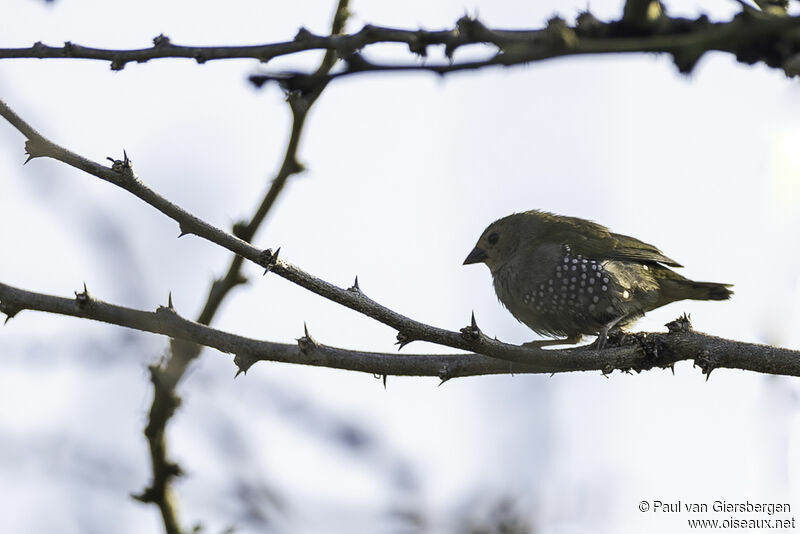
<point x="493" y="238"/>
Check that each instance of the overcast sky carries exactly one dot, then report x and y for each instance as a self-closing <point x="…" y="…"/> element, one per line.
<point x="404" y="172"/>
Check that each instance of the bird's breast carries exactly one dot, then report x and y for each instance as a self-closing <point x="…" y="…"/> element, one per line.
<point x="563" y="293"/>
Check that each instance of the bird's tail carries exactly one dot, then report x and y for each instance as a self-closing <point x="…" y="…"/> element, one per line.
<point x="675" y="287"/>
<point x="702" y="290"/>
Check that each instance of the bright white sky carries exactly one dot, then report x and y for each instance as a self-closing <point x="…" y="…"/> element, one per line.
<point x="404" y="173"/>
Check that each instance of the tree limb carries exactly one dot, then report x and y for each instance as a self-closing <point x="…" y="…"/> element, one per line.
<point x="469" y="338"/>
<point x="625" y="352"/>
<point x="121" y="173"/>
<point x="751" y="36"/>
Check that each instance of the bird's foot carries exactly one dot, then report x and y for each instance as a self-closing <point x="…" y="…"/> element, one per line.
<point x="600" y="342"/>
<point x="602" y="336"/>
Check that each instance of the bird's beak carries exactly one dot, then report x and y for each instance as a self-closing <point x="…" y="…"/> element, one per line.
<point x="476" y="256"/>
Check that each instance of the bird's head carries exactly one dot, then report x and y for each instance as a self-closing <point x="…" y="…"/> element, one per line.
<point x="499" y="242"/>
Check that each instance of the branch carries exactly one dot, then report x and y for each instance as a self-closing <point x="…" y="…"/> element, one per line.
<point x="469" y="338"/>
<point x="626" y="352"/>
<point x="165" y="377"/>
<point x="121" y="173"/>
<point x="751" y="36"/>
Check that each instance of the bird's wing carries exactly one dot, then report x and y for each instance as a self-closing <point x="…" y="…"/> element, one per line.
<point x="630" y="248"/>
<point x="595" y="241"/>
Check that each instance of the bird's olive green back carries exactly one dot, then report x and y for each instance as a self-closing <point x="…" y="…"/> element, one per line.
<point x="593" y="240"/>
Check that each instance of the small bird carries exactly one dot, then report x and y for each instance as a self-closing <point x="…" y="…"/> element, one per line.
<point x="565" y="276"/>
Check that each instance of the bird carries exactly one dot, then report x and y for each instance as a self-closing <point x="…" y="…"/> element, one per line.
<point x="567" y="277"/>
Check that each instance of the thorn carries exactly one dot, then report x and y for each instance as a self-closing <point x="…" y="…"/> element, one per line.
<point x="381" y="377"/>
<point x="444" y="374"/>
<point x="120" y="166"/>
<point x="161" y="40"/>
<point x="672" y="368"/>
<point x="35" y="149"/>
<point x="681" y="324"/>
<point x="173" y="469"/>
<point x="83" y="298"/>
<point x="306" y="343"/>
<point x="268" y="259"/>
<point x="403" y="340"/>
<point x="147" y="496"/>
<point x="303" y="34"/>
<point x="9" y="310"/>
<point x="471" y="332"/>
<point x="243" y="363"/>
<point x="354" y="288"/>
<point x="169" y="301"/>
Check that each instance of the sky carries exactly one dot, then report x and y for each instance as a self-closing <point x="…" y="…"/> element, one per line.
<point x="404" y="173"/>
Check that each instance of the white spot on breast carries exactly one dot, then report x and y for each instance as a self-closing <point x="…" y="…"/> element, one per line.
<point x="625" y="294"/>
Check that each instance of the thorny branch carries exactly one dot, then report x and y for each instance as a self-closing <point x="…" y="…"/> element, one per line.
<point x="626" y="352"/>
<point x="769" y="36"/>
<point x="121" y="173"/>
<point x="685" y="346"/>
<point x="751" y="36"/>
<point x="166" y="376"/>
